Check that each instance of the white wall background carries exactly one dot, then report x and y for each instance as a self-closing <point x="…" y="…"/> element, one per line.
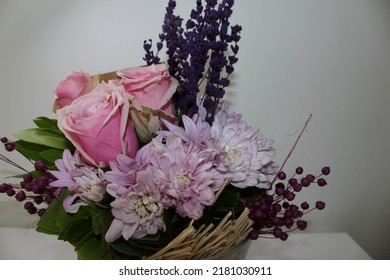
<point x="330" y="58"/>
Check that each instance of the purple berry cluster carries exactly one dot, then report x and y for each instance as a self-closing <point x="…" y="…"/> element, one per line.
<point x="197" y="52"/>
<point x="275" y="213"/>
<point x="34" y="189"/>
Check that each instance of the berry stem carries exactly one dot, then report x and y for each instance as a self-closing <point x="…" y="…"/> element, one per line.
<point x="9" y="161"/>
<point x="292" y="149"/>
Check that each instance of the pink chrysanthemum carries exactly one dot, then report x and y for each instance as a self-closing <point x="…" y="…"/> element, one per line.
<point x="122" y="175"/>
<point x="244" y="155"/>
<point x="84" y="181"/>
<point x="194" y="130"/>
<point x="137" y="213"/>
<point x="185" y="176"/>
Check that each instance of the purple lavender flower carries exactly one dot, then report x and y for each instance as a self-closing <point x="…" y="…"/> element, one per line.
<point x="199" y="52"/>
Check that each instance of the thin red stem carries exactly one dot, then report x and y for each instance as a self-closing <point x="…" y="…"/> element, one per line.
<point x="292" y="149"/>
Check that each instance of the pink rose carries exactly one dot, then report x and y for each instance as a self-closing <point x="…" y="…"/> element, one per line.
<point x="75" y="85"/>
<point x="98" y="124"/>
<point x="151" y="89"/>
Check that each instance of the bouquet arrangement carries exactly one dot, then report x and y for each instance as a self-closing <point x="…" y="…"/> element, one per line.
<point x="148" y="162"/>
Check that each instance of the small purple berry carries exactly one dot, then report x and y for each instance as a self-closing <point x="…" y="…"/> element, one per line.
<point x="26" y="186"/>
<point x="40" y="165"/>
<point x="321" y="182"/>
<point x="302" y="225"/>
<point x="278" y="221"/>
<point x="11" y="192"/>
<point x="35" y="188"/>
<point x="257" y="204"/>
<point x="5" y="187"/>
<point x="310" y="177"/>
<point x="293" y="207"/>
<point x="305" y="205"/>
<point x="254" y="235"/>
<point x="325" y="170"/>
<point x="4" y="140"/>
<point x="279" y="188"/>
<point x="283" y="236"/>
<point x="297" y="214"/>
<point x="27" y="178"/>
<point x="41" y="212"/>
<point x="38" y="199"/>
<point x="258" y="215"/>
<point x="277" y="207"/>
<point x="277" y="232"/>
<point x="281" y="175"/>
<point x="28" y="205"/>
<point x="287" y="214"/>
<point x="320" y="205"/>
<point x="288" y="222"/>
<point x="289" y="195"/>
<point x="32" y="210"/>
<point x="265" y="207"/>
<point x="292" y="181"/>
<point x="297" y="187"/>
<point x="268" y="198"/>
<point x="305" y="182"/>
<point x="299" y="170"/>
<point x="9" y="146"/>
<point x="20" y="196"/>
<point x="48" y="198"/>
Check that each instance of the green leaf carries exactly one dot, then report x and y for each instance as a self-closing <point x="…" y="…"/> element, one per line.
<point x="44" y="122"/>
<point x="51" y="155"/>
<point x="127" y="249"/>
<point x="74" y="229"/>
<point x="92" y="249"/>
<point x="47" y="224"/>
<point x="55" y="219"/>
<point x="44" y="137"/>
<point x="30" y="150"/>
<point x="101" y="219"/>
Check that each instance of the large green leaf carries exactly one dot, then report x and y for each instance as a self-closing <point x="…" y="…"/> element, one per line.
<point x="43" y="136"/>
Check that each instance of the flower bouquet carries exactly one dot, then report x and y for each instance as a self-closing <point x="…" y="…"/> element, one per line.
<point x="149" y="163"/>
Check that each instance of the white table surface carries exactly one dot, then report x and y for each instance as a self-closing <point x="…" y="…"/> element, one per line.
<point x="27" y="244"/>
